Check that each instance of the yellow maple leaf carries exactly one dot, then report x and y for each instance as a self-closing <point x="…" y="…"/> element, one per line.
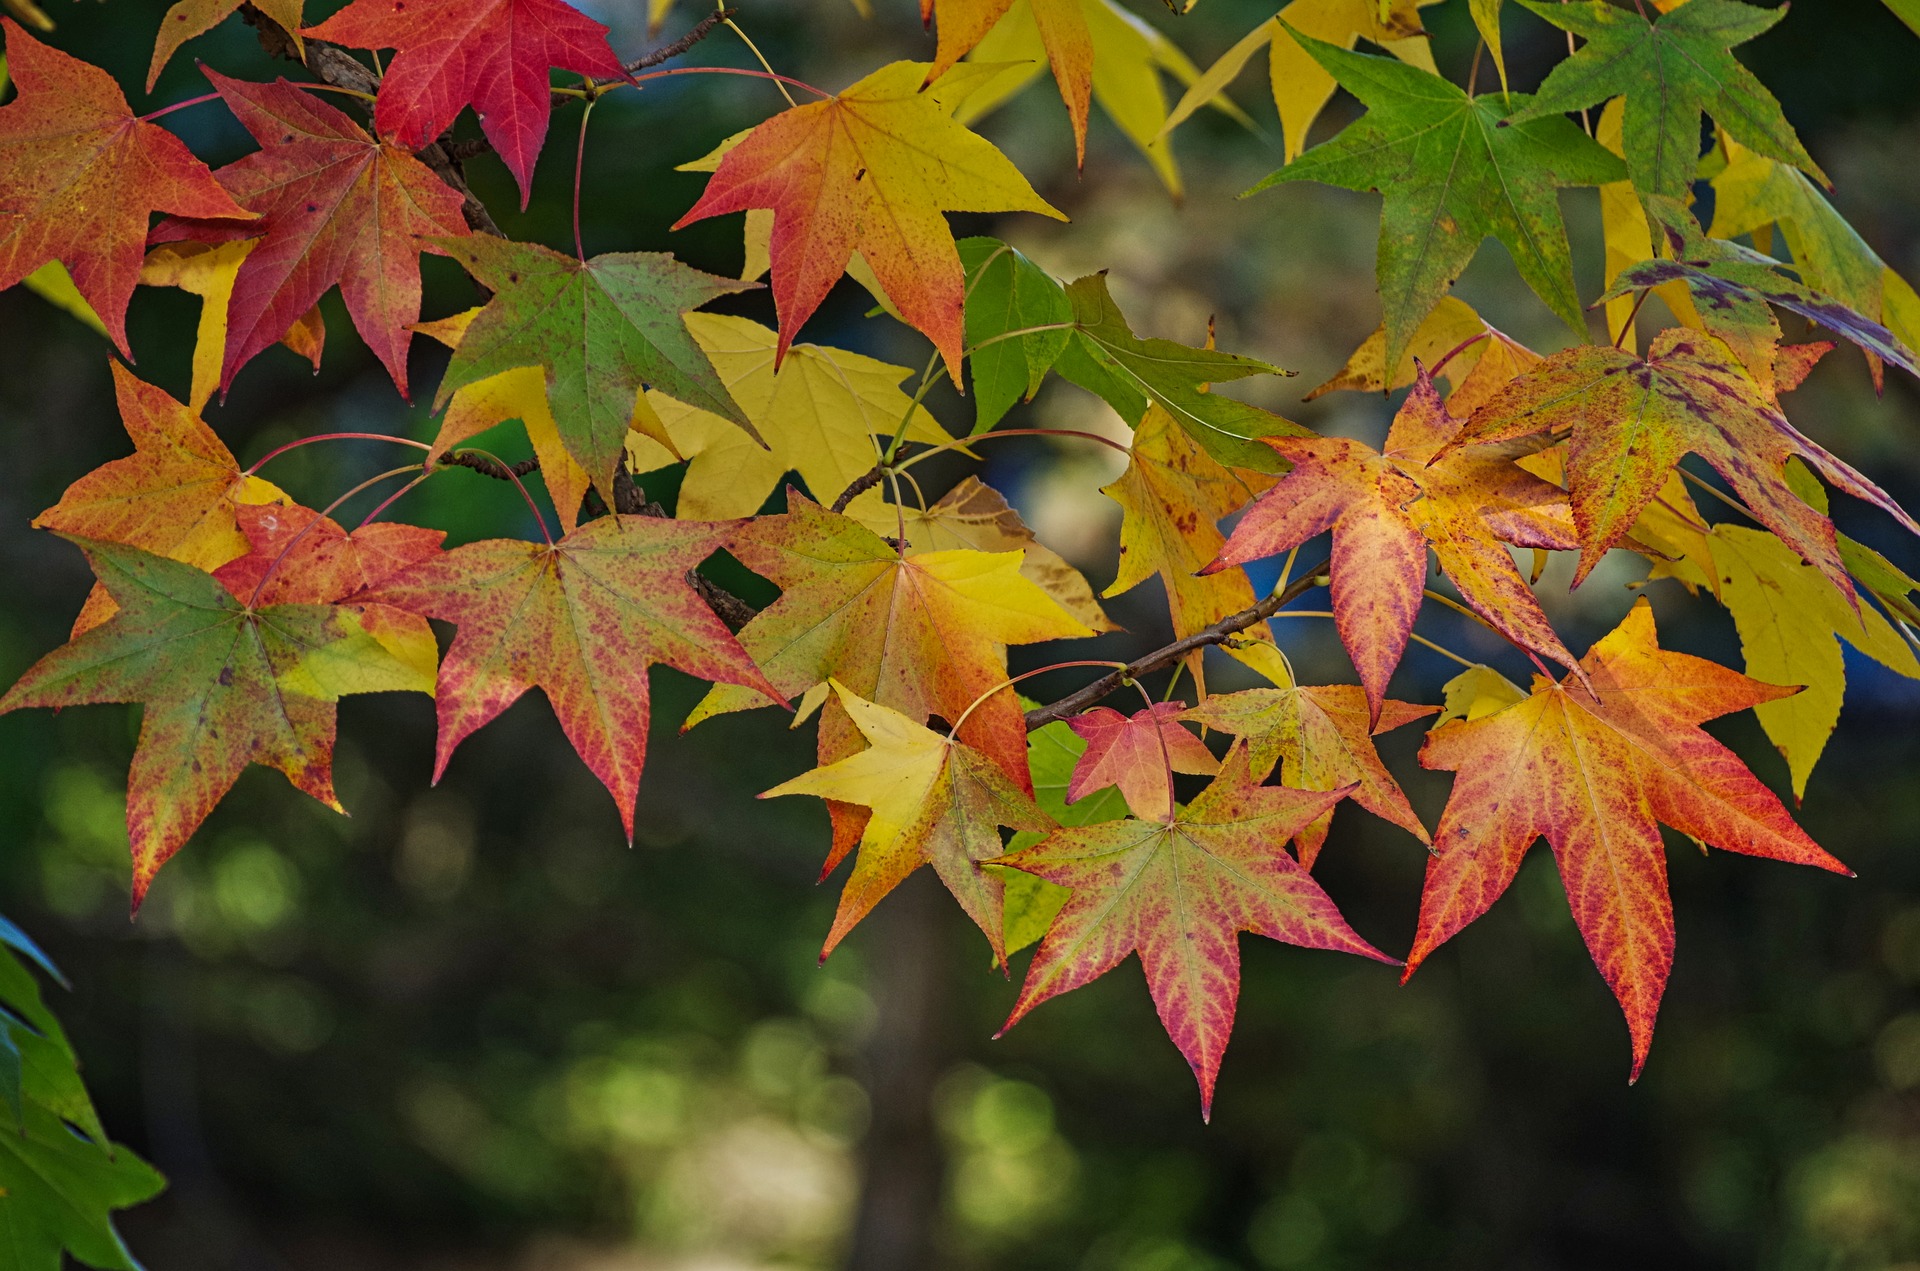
<point x="1624" y="230"/>
<point x="1301" y="86"/>
<point x="934" y="801"/>
<point x="819" y="413"/>
<point x="977" y="516"/>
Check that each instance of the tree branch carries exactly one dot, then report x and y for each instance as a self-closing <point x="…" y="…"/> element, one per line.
<point x="630" y="500"/>
<point x="700" y="32"/>
<point x="1219" y="633"/>
<point x="487" y="465"/>
<point x="861" y="484"/>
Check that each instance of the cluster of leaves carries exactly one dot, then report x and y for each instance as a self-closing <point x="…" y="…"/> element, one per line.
<point x="238" y="618"/>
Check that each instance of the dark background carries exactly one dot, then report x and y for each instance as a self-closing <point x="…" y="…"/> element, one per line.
<point x="469" y="1028"/>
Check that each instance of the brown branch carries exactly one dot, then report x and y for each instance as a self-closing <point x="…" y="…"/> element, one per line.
<point x="700" y="31"/>
<point x="487" y="465"/>
<point x="1219" y="633"/>
<point x="861" y="484"/>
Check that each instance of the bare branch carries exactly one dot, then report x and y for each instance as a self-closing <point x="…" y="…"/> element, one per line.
<point x="700" y="32"/>
<point x="1219" y="633"/>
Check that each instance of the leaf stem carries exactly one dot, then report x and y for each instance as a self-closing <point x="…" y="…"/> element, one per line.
<point x="390" y="500"/>
<point x="1621" y="335"/>
<point x="760" y="57"/>
<point x="1442" y="650"/>
<point x="602" y="85"/>
<point x="579" y="169"/>
<point x="906" y="416"/>
<point x="297" y="442"/>
<point x="961" y="443"/>
<point x="519" y="485"/>
<point x="953" y="732"/>
<point x="1014" y="335"/>
<point x="150" y="116"/>
<point x="1461" y="609"/>
<point x="1457" y="350"/>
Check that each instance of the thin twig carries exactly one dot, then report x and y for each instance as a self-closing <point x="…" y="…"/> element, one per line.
<point x="861" y="484"/>
<point x="1219" y="633"/>
<point x="667" y="53"/>
<point x="488" y="466"/>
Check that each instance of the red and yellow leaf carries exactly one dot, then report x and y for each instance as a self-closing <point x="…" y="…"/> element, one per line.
<point x="1322" y="737"/>
<point x="1386" y="509"/>
<point x="336" y="206"/>
<point x="871" y="170"/>
<point x="175" y="495"/>
<point x="1595" y="771"/>
<point x="582" y="619"/>
<point x="1139" y="753"/>
<point x="79" y="176"/>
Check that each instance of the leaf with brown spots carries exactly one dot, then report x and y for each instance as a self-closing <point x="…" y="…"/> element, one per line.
<point x="583" y="619"/>
<point x="1595" y="769"/>
<point x="1629" y="420"/>
<point x="1179" y="892"/>
<point x="224" y="683"/>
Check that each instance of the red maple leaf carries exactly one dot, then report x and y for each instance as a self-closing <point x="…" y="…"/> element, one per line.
<point x="79" y="176"/>
<point x="491" y="54"/>
<point x="336" y="207"/>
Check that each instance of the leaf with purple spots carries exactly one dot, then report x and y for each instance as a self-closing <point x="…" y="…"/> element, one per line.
<point x="1630" y="419"/>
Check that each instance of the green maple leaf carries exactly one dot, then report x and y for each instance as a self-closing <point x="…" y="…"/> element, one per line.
<point x="1671" y="70"/>
<point x="225" y="684"/>
<point x="602" y="329"/>
<point x="1453" y="169"/>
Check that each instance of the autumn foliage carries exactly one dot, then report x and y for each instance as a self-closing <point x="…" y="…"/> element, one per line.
<point x="237" y="619"/>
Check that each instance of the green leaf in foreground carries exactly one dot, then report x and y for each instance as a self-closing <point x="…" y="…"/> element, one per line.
<point x="1453" y="169"/>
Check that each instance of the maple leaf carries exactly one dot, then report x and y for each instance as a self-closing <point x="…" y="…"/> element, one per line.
<point x="1632" y="419"/>
<point x="225" y="684"/>
<point x="816" y="413"/>
<point x="1321" y="736"/>
<point x="176" y="495"/>
<point x="1179" y="892"/>
<point x="209" y="270"/>
<point x="1171" y="497"/>
<point x="935" y="801"/>
<point x="521" y="394"/>
<point x="1301" y="85"/>
<point x="602" y="328"/>
<point x="79" y="176"/>
<point x="924" y="634"/>
<point x="870" y="170"/>
<point x="1453" y="169"/>
<point x="1386" y="508"/>
<point x="1064" y="34"/>
<point x="188" y="19"/>
<point x="582" y="619"/>
<point x="491" y="54"/>
<point x="1139" y="753"/>
<point x="1475" y="369"/>
<point x="58" y="1192"/>
<point x="1595" y="771"/>
<point x="336" y="206"/>
<point x="977" y="516"/>
<point x="1671" y="69"/>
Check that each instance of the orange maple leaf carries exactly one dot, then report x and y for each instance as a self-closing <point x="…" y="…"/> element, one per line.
<point x="1595" y="771"/>
<point x="79" y="176"/>
<point x="870" y="171"/>
<point x="1138" y="753"/>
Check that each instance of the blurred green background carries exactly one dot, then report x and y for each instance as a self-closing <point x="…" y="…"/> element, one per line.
<point x="469" y="1028"/>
